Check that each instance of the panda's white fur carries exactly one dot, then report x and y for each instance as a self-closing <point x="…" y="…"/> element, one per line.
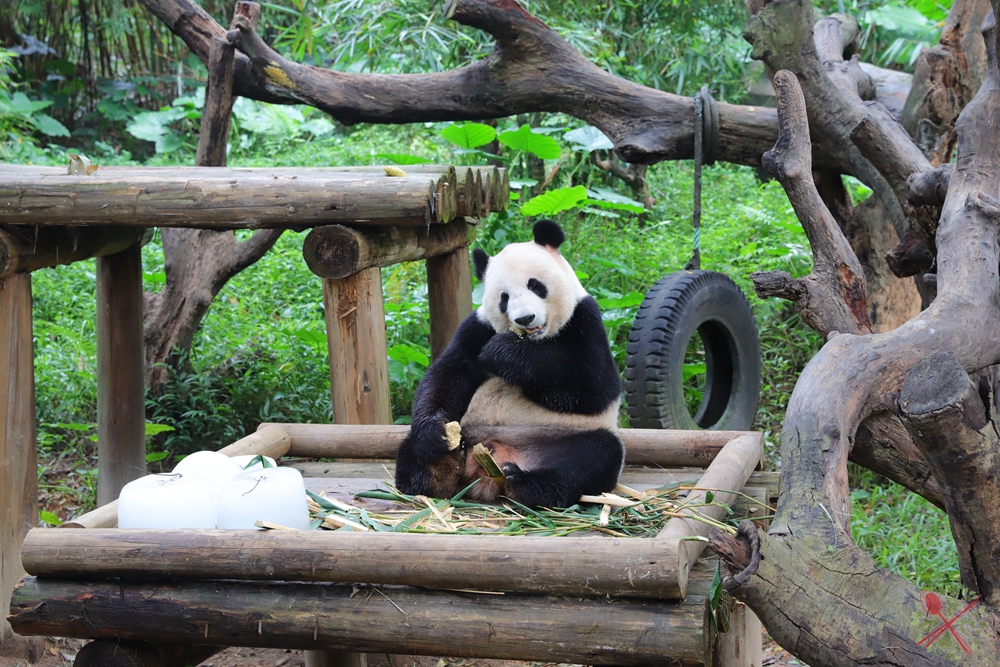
<point x="509" y="272"/>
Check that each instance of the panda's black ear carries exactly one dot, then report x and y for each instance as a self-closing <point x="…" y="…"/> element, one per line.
<point x="480" y="259"/>
<point x="548" y="233"/>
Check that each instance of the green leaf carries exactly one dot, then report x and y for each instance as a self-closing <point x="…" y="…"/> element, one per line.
<point x="148" y="126"/>
<point x="168" y="143"/>
<point x="469" y="135"/>
<point x="48" y="125"/>
<point x="588" y="138"/>
<point x="629" y="300"/>
<point x="314" y="338"/>
<point x="616" y="206"/>
<point x="154" y="457"/>
<point x="153" y="429"/>
<point x="693" y="370"/>
<point x="524" y="139"/>
<point x="715" y="594"/>
<point x="403" y="158"/>
<point x="709" y="496"/>
<point x="406" y="354"/>
<point x="554" y="201"/>
<point x="50" y="518"/>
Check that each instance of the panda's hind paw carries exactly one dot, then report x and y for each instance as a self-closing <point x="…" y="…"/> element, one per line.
<point x="511" y="471"/>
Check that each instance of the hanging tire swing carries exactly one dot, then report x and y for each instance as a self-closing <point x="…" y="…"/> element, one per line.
<point x="685" y="305"/>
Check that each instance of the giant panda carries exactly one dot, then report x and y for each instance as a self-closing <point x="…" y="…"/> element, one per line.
<point x="529" y="374"/>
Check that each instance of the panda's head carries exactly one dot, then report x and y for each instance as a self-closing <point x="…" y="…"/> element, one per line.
<point x="528" y="288"/>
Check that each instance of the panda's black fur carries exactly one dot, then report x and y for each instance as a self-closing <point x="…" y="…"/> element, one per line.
<point x="544" y="402"/>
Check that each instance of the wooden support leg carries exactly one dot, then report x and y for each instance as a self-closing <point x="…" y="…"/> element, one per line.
<point x="359" y="377"/>
<point x="449" y="293"/>
<point x="359" y="368"/>
<point x="743" y="645"/>
<point x="121" y="399"/>
<point x="18" y="464"/>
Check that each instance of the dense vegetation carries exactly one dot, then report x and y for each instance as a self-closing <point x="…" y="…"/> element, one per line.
<point x="261" y="352"/>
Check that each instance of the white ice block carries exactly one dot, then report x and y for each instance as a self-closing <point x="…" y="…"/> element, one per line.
<point x="275" y="495"/>
<point x="166" y="501"/>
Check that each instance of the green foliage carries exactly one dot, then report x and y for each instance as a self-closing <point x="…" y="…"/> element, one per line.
<point x="904" y="533"/>
<point x="469" y="135"/>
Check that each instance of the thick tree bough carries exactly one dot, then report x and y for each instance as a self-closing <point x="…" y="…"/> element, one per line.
<point x="530" y="69"/>
<point x="818" y="595"/>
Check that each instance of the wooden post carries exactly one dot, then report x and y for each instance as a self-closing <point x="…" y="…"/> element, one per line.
<point x="743" y="645"/>
<point x="449" y="293"/>
<point x="359" y="377"/>
<point x="121" y="398"/>
<point x="359" y="368"/>
<point x="18" y="464"/>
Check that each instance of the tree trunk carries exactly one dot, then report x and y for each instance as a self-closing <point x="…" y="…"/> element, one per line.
<point x="814" y="590"/>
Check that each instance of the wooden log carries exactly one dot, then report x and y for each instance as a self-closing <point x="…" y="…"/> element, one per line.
<point x="493" y="183"/>
<point x="632" y="567"/>
<point x="449" y="295"/>
<point x="728" y="472"/>
<point x="121" y="395"/>
<point x="117" y="653"/>
<point x="25" y="248"/>
<point x="269" y="441"/>
<point x="404" y="620"/>
<point x="223" y="198"/>
<point x="671" y="449"/>
<point x="336" y="251"/>
<point x="18" y="464"/>
<point x="359" y="369"/>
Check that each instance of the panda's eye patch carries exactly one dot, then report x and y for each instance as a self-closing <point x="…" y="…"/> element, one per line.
<point x="503" y="301"/>
<point x="538" y="288"/>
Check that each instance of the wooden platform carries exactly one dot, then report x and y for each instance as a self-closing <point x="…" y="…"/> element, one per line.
<point x="592" y="600"/>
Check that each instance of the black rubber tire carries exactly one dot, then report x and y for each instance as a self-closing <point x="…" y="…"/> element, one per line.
<point x="673" y="310"/>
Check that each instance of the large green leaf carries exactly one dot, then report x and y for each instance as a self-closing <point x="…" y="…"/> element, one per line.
<point x="469" y="135"/>
<point x="46" y="124"/>
<point x="588" y="138"/>
<point x="554" y="201"/>
<point x="524" y="139"/>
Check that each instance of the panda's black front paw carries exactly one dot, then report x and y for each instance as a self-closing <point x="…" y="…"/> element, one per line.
<point x="428" y="440"/>
<point x="497" y="353"/>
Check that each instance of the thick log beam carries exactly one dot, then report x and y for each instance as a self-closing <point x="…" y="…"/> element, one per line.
<point x="347" y="618"/>
<point x="24" y="248"/>
<point x="218" y="198"/>
<point x="645" y="568"/>
<point x="335" y="251"/>
<point x="952" y="422"/>
<point x="643" y="446"/>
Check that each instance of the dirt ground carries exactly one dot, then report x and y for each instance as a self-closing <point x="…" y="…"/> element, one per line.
<point x="61" y="653"/>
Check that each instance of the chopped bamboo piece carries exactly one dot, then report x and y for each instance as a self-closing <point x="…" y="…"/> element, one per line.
<point x="489" y="464"/>
<point x="267" y="525"/>
<point x="605" y="515"/>
<point x="453" y="434"/>
<point x="608" y="499"/>
<point x="339" y="522"/>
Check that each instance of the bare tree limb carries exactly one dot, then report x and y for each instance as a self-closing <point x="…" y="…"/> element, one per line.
<point x="832" y="297"/>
